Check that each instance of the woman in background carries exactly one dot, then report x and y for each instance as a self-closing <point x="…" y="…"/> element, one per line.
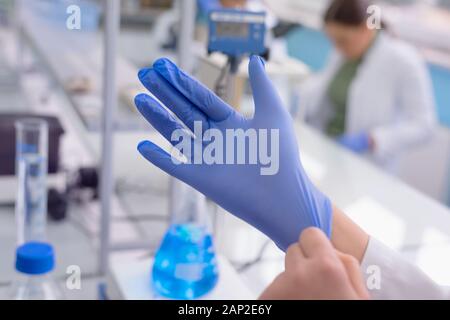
<point x="375" y="95"/>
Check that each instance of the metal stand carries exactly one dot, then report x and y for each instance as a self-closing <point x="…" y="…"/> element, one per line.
<point x="18" y="36"/>
<point x="112" y="28"/>
<point x="187" y="11"/>
<point x="233" y="63"/>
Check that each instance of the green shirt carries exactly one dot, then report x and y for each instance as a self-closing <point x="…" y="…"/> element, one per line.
<point x="338" y="94"/>
<point x="338" y="91"/>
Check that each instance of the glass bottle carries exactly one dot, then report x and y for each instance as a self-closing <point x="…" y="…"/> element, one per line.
<point x="31" y="170"/>
<point x="34" y="264"/>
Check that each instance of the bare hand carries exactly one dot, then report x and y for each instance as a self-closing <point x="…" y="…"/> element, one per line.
<point x="315" y="270"/>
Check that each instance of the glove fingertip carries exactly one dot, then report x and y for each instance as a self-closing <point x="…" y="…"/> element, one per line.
<point x="259" y="80"/>
<point x="144" y="104"/>
<point x="144" y="146"/>
<point x="140" y="99"/>
<point x="143" y="73"/>
<point x="163" y="64"/>
<point x="161" y="159"/>
<point x="154" y="154"/>
<point x="259" y="59"/>
<point x="256" y="64"/>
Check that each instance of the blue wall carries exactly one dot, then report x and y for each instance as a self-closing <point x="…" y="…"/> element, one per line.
<point x="441" y="84"/>
<point x="310" y="46"/>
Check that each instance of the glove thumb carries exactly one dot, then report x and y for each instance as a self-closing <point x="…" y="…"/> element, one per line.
<point x="265" y="95"/>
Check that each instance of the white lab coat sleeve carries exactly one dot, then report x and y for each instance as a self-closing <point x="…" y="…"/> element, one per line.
<point x="389" y="276"/>
<point x="416" y="113"/>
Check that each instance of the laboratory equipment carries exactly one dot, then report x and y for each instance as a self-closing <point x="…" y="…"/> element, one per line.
<point x="34" y="263"/>
<point x="237" y="32"/>
<point x="8" y="146"/>
<point x="185" y="265"/>
<point x="31" y="168"/>
<point x="280" y="203"/>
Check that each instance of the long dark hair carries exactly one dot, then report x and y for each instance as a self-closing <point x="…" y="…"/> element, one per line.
<point x="351" y="13"/>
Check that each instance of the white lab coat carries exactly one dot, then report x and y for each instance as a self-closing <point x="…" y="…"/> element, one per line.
<point x="398" y="279"/>
<point x="391" y="97"/>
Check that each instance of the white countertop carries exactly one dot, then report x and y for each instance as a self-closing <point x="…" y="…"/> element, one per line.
<point x="130" y="279"/>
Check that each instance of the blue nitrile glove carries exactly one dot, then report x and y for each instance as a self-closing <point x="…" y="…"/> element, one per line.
<point x="359" y="142"/>
<point x="280" y="205"/>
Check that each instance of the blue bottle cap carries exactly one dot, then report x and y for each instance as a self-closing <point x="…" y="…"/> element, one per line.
<point x="35" y="258"/>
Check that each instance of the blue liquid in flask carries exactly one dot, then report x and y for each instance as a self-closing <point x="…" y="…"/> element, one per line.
<point x="185" y="265"/>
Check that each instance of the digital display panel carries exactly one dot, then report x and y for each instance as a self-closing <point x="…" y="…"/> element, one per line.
<point x="230" y="29"/>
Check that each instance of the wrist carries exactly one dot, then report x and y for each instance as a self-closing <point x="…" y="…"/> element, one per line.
<point x="347" y="236"/>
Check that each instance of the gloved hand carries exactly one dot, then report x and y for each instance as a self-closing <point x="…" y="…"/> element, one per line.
<point x="359" y="142"/>
<point x="280" y="205"/>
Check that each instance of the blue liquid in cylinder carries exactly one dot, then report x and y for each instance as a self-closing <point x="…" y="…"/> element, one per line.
<point x="185" y="265"/>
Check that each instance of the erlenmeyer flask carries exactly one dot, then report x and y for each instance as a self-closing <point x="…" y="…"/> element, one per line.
<point x="185" y="265"/>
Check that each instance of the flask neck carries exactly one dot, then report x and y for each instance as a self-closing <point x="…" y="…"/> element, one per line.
<point x="189" y="207"/>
